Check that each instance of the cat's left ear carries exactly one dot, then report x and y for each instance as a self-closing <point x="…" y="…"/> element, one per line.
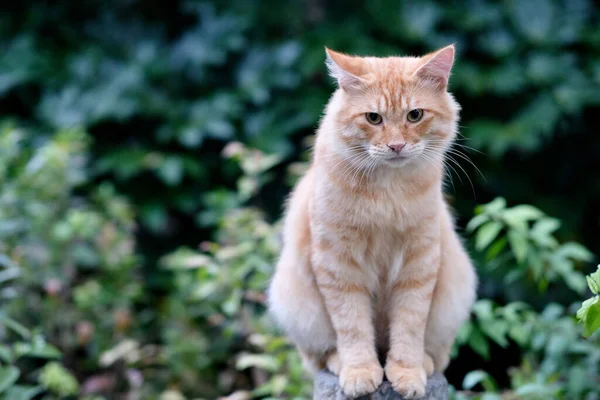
<point x="437" y="66"/>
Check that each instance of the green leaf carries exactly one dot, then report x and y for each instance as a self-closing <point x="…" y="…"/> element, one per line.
<point x="589" y="315"/>
<point x="476" y="377"/>
<point x="575" y="251"/>
<point x="476" y="221"/>
<point x="7" y="262"/>
<point x="557" y="345"/>
<point x="533" y="30"/>
<point x="233" y="303"/>
<point x="464" y="333"/>
<point x="479" y="344"/>
<point x="577" y="379"/>
<point x="191" y="136"/>
<point x="247" y="187"/>
<point x="262" y="361"/>
<point x="37" y="349"/>
<point x="536" y="265"/>
<point x="575" y="281"/>
<point x="513" y="276"/>
<point x="518" y="244"/>
<point x="496" y="330"/>
<point x="516" y="224"/>
<point x="495" y="248"/>
<point x="544" y="227"/>
<point x="275" y="386"/>
<point x="19" y="392"/>
<point x="59" y="380"/>
<point x="483" y="309"/>
<point x="535" y="390"/>
<point x="486" y="234"/>
<point x="6" y="354"/>
<point x="585" y="306"/>
<point x="592" y="319"/>
<point x="171" y="170"/>
<point x="520" y="333"/>
<point x="523" y="212"/>
<point x="593" y="284"/>
<point x="41" y="349"/>
<point x="15" y="326"/>
<point x="9" y="273"/>
<point x="593" y="281"/>
<point x="8" y="376"/>
<point x="495" y="205"/>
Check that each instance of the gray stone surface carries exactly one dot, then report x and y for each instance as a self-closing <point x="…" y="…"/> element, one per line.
<point x="326" y="388"/>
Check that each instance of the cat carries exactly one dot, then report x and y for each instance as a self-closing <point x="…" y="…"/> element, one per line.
<point x="371" y="267"/>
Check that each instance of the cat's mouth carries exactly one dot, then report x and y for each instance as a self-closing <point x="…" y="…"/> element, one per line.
<point x="397" y="160"/>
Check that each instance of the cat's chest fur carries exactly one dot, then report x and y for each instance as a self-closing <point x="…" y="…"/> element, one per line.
<point x="384" y="217"/>
<point x="387" y="208"/>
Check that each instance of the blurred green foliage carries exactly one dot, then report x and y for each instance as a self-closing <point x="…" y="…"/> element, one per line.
<point x="146" y="149"/>
<point x="69" y="266"/>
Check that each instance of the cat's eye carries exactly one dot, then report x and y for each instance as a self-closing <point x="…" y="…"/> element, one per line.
<point x="374" y="118"/>
<point x="415" y="115"/>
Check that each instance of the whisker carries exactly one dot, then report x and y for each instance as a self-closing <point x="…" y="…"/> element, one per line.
<point x="375" y="163"/>
<point x="362" y="165"/>
<point x="355" y="165"/>
<point x="470" y="148"/>
<point x="365" y="170"/>
<point x="431" y="158"/>
<point x="456" y="144"/>
<point x="449" y="157"/>
<point x="466" y="158"/>
<point x="437" y="157"/>
<point x="349" y="159"/>
<point x="349" y="150"/>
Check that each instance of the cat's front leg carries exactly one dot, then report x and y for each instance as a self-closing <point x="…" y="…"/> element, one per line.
<point x="410" y="299"/>
<point x="349" y="304"/>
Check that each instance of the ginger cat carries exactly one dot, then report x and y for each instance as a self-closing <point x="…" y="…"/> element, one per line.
<point x="371" y="265"/>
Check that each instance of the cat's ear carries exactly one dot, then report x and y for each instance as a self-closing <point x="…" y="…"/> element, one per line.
<point x="350" y="72"/>
<point x="436" y="66"/>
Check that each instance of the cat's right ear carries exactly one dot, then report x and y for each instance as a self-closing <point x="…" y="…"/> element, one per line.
<point x="350" y="72"/>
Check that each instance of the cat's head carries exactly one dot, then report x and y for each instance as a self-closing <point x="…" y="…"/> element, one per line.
<point x="396" y="109"/>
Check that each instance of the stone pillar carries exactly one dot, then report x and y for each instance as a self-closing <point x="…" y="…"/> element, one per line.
<point x="326" y="388"/>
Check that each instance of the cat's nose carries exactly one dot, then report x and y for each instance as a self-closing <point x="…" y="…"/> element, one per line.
<point x="396" y="146"/>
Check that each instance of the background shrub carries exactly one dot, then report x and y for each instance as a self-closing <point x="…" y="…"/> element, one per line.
<point x="146" y="149"/>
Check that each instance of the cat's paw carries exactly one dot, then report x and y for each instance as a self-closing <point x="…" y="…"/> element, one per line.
<point x="358" y="380"/>
<point x="409" y="382"/>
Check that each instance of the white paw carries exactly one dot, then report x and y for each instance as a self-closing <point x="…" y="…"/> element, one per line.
<point x="409" y="382"/>
<point x="358" y="380"/>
